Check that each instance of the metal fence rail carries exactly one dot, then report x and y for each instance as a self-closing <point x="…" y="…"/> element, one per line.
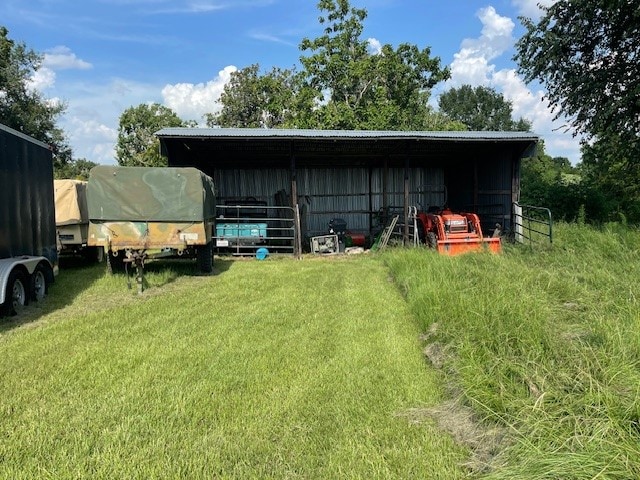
<point x="532" y="225"/>
<point x="243" y="229"/>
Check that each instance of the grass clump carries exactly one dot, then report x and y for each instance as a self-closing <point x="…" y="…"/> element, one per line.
<point x="543" y="344"/>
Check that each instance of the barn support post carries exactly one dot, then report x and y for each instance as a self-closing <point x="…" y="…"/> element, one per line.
<point x="370" y="226"/>
<point x="515" y="191"/>
<point x="405" y="233"/>
<point x="297" y="246"/>
<point x="385" y="182"/>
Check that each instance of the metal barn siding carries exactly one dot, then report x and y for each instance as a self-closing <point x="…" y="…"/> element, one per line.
<point x="493" y="200"/>
<point x="355" y="174"/>
<point x="261" y="184"/>
<point x="328" y="193"/>
<point x="27" y="220"/>
<point x="359" y="195"/>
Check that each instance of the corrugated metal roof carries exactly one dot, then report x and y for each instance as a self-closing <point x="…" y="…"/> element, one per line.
<point x="266" y="133"/>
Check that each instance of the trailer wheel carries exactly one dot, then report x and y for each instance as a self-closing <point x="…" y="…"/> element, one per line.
<point x="38" y="284"/>
<point x="204" y="257"/>
<point x="114" y="263"/>
<point x="16" y="295"/>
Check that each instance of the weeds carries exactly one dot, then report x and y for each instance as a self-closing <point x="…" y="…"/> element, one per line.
<point x="543" y="344"/>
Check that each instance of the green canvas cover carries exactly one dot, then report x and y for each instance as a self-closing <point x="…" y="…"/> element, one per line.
<point x="150" y="194"/>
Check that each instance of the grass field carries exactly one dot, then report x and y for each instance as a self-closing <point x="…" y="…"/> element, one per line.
<point x="274" y="369"/>
<point x="397" y="365"/>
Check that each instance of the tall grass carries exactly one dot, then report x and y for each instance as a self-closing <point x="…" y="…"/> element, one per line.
<point x="544" y="343"/>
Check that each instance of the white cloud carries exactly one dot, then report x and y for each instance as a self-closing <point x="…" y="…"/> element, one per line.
<point x="191" y="101"/>
<point x="471" y="65"/>
<point x="267" y="37"/>
<point x="374" y="45"/>
<point x="93" y="112"/>
<point x="474" y="64"/>
<point x="58" y="58"/>
<point x="62" y="58"/>
<point x="530" y="9"/>
<point x="43" y="79"/>
<point x="94" y="140"/>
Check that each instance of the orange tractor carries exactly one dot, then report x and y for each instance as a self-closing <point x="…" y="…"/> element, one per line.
<point x="454" y="233"/>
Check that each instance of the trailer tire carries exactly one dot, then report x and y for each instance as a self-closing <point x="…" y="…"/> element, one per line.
<point x="39" y="283"/>
<point x="204" y="257"/>
<point x="115" y="264"/>
<point x="16" y="296"/>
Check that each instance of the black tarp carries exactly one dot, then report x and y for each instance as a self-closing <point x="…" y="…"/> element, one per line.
<point x="27" y="206"/>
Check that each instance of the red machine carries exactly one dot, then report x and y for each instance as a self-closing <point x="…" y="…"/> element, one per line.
<point x="454" y="233"/>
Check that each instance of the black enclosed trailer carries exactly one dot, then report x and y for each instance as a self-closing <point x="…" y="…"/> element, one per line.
<point x="28" y="247"/>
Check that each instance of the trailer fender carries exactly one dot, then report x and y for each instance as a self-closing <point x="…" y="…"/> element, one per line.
<point x="27" y="264"/>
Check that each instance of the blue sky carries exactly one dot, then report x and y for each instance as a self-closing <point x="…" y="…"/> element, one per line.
<point x="103" y="56"/>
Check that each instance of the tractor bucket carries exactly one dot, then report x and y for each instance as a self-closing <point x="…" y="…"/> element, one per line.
<point x="457" y="246"/>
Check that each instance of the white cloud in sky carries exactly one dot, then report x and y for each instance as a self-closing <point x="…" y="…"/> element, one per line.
<point x="58" y="58"/>
<point x="191" y="101"/>
<point x="91" y="120"/>
<point x="43" y="79"/>
<point x="94" y="140"/>
<point x="473" y="65"/>
<point x="529" y="8"/>
<point x="374" y="46"/>
<point x="62" y="58"/>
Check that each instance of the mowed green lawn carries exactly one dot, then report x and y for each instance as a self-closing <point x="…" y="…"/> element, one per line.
<point x="268" y="369"/>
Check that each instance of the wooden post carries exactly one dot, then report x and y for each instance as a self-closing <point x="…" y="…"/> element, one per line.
<point x="405" y="233"/>
<point x="294" y="205"/>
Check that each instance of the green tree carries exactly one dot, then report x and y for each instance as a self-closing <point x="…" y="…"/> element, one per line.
<point x="137" y="144"/>
<point x="552" y="182"/>
<point x="77" y="169"/>
<point x="343" y="84"/>
<point x="23" y="108"/>
<point x="252" y="100"/>
<point x="613" y="178"/>
<point x="353" y="88"/>
<point x="587" y="53"/>
<point x="481" y="108"/>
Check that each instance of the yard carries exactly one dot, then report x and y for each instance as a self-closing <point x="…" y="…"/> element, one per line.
<point x="306" y="369"/>
<point x="405" y="364"/>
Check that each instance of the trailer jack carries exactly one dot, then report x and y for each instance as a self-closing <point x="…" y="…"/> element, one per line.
<point x="137" y="259"/>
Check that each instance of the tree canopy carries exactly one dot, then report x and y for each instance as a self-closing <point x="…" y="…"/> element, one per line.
<point x="343" y="84"/>
<point x="252" y="100"/>
<point x="77" y="169"/>
<point x="587" y="54"/>
<point x="137" y="145"/>
<point x="354" y="87"/>
<point x="481" y="108"/>
<point x="22" y="107"/>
